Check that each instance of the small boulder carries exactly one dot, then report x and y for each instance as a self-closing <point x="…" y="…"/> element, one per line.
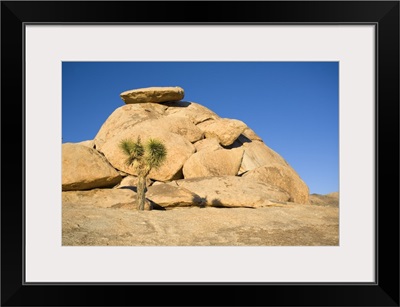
<point x="209" y="144"/>
<point x="226" y="130"/>
<point x="169" y="196"/>
<point x="191" y="110"/>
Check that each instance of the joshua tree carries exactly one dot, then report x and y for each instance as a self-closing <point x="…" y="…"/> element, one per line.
<point x="143" y="157"/>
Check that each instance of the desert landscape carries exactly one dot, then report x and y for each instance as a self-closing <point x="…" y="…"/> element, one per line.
<point x="220" y="184"/>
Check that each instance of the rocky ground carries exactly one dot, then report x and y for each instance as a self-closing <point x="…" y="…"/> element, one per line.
<point x="286" y="224"/>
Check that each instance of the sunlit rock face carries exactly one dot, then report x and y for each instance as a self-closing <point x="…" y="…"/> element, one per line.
<point x="211" y="161"/>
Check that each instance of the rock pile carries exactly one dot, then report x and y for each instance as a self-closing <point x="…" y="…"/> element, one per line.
<point x="211" y="161"/>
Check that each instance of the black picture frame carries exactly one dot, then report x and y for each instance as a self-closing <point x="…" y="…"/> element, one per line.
<point x="383" y="14"/>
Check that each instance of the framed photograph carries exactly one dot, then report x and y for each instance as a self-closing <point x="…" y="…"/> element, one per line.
<point x="313" y="85"/>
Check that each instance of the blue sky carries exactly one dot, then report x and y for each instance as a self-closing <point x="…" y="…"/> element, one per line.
<point x="292" y="106"/>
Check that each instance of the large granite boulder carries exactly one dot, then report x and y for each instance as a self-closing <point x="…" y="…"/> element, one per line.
<point x="179" y="125"/>
<point x="210" y="162"/>
<point x="233" y="191"/>
<point x="258" y="154"/>
<point x="179" y="149"/>
<point x="85" y="168"/>
<point x="124" y="118"/>
<point x="153" y="94"/>
<point x="283" y="177"/>
<point x="264" y="164"/>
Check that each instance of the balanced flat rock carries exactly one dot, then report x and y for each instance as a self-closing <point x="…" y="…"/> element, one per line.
<point x="153" y="94"/>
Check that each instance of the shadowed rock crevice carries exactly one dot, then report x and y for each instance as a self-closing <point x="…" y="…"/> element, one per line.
<point x="238" y="142"/>
<point x="176" y="104"/>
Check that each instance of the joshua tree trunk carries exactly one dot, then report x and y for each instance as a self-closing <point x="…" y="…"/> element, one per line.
<point x="141" y="192"/>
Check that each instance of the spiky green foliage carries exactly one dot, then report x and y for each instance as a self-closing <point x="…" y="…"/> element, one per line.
<point x="134" y="150"/>
<point x="156" y="153"/>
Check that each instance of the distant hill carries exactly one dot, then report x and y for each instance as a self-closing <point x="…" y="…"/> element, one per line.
<point x="331" y="199"/>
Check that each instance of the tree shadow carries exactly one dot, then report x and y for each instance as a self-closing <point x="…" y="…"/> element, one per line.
<point x="217" y="203"/>
<point x="204" y="202"/>
<point x="199" y="201"/>
<point x="156" y="206"/>
<point x="129" y="187"/>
